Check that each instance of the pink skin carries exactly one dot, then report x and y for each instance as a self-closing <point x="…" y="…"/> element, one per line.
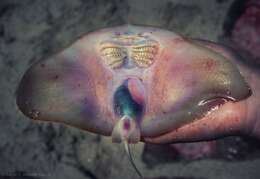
<point x="230" y="119"/>
<point x="75" y="87"/>
<point x="137" y="91"/>
<point x="240" y="118"/>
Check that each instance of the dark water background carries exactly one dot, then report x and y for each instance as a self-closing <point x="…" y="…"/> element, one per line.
<point x="34" y="29"/>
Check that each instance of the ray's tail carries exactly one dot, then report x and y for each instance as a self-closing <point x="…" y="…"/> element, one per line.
<point x="129" y="154"/>
<point x="127" y="131"/>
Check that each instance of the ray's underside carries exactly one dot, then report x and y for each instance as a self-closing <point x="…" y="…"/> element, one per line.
<point x="181" y="81"/>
